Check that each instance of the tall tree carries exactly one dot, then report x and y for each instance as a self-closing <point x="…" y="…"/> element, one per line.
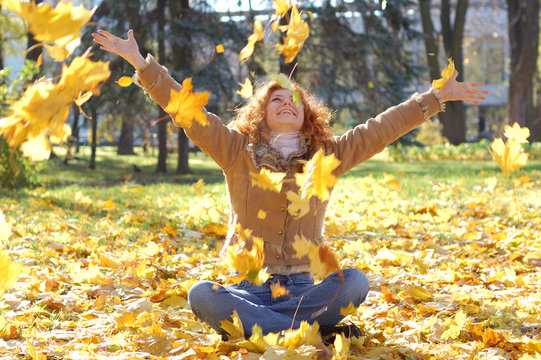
<point x="1" y="45"/>
<point x="523" y="20"/>
<point x="181" y="46"/>
<point x="162" y="124"/>
<point x="452" y="34"/>
<point x="93" y="137"/>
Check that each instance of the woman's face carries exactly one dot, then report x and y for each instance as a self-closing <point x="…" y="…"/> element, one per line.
<point x="282" y="114"/>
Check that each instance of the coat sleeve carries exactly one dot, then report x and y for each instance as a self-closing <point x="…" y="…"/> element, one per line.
<point x="221" y="143"/>
<point x="366" y="140"/>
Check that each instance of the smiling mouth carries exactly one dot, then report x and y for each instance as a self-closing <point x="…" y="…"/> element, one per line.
<point x="287" y="111"/>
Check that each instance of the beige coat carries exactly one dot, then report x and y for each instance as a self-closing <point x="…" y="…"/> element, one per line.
<point x="238" y="158"/>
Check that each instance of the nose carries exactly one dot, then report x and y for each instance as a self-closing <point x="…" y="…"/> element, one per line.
<point x="287" y="101"/>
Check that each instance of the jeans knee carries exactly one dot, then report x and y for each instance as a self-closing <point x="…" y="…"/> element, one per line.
<point x="357" y="282"/>
<point x="199" y="293"/>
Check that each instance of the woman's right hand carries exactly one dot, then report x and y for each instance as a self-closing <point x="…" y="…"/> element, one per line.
<point x="127" y="49"/>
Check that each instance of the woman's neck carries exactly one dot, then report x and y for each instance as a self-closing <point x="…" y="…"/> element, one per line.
<point x="286" y="143"/>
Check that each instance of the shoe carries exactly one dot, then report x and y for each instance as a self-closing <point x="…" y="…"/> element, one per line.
<point x="328" y="332"/>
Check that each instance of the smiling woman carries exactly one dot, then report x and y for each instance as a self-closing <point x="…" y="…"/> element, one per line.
<point x="283" y="129"/>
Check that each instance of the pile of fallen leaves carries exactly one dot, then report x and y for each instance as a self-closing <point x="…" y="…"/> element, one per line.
<point x="457" y="276"/>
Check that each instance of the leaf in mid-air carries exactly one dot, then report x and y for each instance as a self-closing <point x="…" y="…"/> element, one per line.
<point x="297" y="33"/>
<point x="519" y="134"/>
<point x="246" y="90"/>
<point x="285" y="83"/>
<point x="445" y="75"/>
<point x="125" y="81"/>
<point x="186" y="106"/>
<point x="268" y="180"/>
<point x="258" y="35"/>
<point x="317" y="176"/>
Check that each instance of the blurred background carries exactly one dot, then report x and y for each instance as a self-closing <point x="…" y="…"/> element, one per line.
<point x="362" y="57"/>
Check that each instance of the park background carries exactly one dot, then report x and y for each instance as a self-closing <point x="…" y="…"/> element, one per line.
<point x="114" y="228"/>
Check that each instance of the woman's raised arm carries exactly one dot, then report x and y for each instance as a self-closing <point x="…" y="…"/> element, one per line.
<point x="127" y="49"/>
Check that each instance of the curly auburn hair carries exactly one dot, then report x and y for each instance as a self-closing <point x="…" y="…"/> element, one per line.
<point x="250" y="118"/>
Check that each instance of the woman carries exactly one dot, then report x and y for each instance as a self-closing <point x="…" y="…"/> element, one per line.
<point x="272" y="131"/>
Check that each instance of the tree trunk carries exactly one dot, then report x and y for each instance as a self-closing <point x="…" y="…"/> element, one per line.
<point x="162" y="124"/>
<point x="1" y="47"/>
<point x="454" y="117"/>
<point x="125" y="141"/>
<point x="75" y="127"/>
<point x="183" y="60"/>
<point x="523" y="16"/>
<point x="94" y="138"/>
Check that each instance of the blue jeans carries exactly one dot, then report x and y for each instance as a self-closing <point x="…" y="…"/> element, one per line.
<point x="212" y="302"/>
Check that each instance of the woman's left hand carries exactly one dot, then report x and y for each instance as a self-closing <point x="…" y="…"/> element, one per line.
<point x="453" y="90"/>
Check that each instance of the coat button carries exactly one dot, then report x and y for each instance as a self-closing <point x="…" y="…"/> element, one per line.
<point x="280" y="232"/>
<point x="277" y="256"/>
<point x="282" y="209"/>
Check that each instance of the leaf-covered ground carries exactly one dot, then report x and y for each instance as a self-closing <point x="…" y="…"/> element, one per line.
<point x="455" y="271"/>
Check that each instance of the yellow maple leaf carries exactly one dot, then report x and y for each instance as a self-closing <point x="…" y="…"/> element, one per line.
<point x="317" y="176"/>
<point x="257" y="35"/>
<point x="186" y="105"/>
<point x="278" y="290"/>
<point x="350" y="310"/>
<point x="297" y="33"/>
<point x="341" y="347"/>
<point x="517" y="133"/>
<point x="445" y="75"/>
<point x="419" y="293"/>
<point x="301" y="246"/>
<point x="268" y="180"/>
<point x="37" y="148"/>
<point x="453" y="331"/>
<point x="63" y="47"/>
<point x="48" y="24"/>
<point x="45" y="106"/>
<point x="509" y="155"/>
<point x="220" y="48"/>
<point x="391" y="181"/>
<point x="281" y="7"/>
<point x="233" y="328"/>
<point x="248" y="263"/>
<point x="246" y="90"/>
<point x="9" y="272"/>
<point x="297" y="207"/>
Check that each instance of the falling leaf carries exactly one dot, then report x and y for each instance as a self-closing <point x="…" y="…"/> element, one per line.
<point x="391" y="181"/>
<point x="37" y="148"/>
<point x="297" y="33"/>
<point x="9" y="272"/>
<point x="268" y="180"/>
<point x="258" y="35"/>
<point x="45" y="106"/>
<point x="185" y="105"/>
<point x="350" y="310"/>
<point x="509" y="155"/>
<point x="219" y="48"/>
<point x="233" y="328"/>
<point x="281" y="7"/>
<point x="446" y="74"/>
<point x="317" y="176"/>
<point x="278" y="290"/>
<point x="517" y="133"/>
<point x="247" y="90"/>
<point x="297" y="206"/>
<point x="125" y="81"/>
<point x="261" y="215"/>
<point x="248" y="263"/>
<point x="301" y="246"/>
<point x="285" y="83"/>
